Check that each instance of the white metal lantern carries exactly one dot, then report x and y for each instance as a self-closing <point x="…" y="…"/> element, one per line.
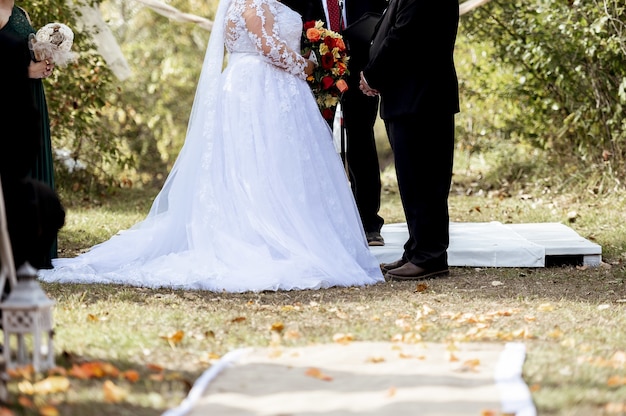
<point x="28" y="311"/>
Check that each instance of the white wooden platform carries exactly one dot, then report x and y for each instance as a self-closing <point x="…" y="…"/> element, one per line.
<point x="493" y="244"/>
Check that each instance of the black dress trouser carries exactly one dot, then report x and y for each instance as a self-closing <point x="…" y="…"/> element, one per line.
<point x="423" y="148"/>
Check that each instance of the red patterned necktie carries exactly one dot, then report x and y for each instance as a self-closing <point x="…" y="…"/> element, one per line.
<point x="334" y="15"/>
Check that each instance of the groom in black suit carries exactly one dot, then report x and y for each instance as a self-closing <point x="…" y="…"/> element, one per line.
<point x="359" y="115"/>
<point x="418" y="104"/>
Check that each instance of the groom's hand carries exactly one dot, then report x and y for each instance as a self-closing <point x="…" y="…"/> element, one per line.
<point x="364" y="86"/>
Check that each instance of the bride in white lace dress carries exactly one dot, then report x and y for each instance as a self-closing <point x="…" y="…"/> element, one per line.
<point x="258" y="198"/>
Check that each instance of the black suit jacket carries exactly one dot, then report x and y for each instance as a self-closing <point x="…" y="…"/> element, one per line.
<point x="411" y="58"/>
<point x="314" y="10"/>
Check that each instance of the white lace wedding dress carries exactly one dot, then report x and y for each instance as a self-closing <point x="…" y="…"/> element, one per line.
<point x="258" y="198"/>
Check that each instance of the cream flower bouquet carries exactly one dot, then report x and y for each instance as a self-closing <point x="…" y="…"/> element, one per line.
<point x="54" y="42"/>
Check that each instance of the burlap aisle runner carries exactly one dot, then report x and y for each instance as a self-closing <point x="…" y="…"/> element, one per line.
<point x="366" y="379"/>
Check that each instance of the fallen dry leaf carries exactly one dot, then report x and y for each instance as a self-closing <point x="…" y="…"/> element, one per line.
<point x="292" y="334"/>
<point x="421" y="287"/>
<point x="343" y="338"/>
<point x="25" y="372"/>
<point x="277" y="326"/>
<point x="25" y="402"/>
<point x="174" y="338"/>
<point x="469" y="365"/>
<point x="616" y="381"/>
<point x="615" y="408"/>
<point x="317" y="373"/>
<point x="556" y="333"/>
<point x="131" y="375"/>
<point x="391" y="391"/>
<point x="53" y="384"/>
<point x="113" y="393"/>
<point x="48" y="410"/>
<point x="26" y="387"/>
<point x="154" y="367"/>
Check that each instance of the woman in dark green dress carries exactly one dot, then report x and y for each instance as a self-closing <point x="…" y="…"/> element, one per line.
<point x="15" y="21"/>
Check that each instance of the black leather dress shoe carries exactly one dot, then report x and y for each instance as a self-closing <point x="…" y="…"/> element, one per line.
<point x="385" y="267"/>
<point x="374" y="238"/>
<point x="410" y="271"/>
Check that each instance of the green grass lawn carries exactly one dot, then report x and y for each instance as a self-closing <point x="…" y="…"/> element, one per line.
<point x="570" y="318"/>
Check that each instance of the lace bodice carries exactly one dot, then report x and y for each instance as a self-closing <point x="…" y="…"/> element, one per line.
<point x="268" y="28"/>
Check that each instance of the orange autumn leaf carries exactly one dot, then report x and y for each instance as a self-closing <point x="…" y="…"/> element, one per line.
<point x="92" y="318"/>
<point x="48" y="410"/>
<point x="154" y="367"/>
<point x="109" y="369"/>
<point x="174" y="338"/>
<point x="79" y="372"/>
<point x="25" y="402"/>
<point x="21" y="372"/>
<point x="421" y="287"/>
<point x="60" y="371"/>
<point x="616" y="381"/>
<point x="131" y="375"/>
<point x="317" y="373"/>
<point x="470" y="365"/>
<point x="93" y="369"/>
<point x="238" y="319"/>
<point x="277" y="326"/>
<point x="113" y="393"/>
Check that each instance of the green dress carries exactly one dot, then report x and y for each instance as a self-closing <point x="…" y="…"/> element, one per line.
<point x="43" y="169"/>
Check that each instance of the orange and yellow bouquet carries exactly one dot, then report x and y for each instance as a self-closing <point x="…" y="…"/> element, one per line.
<point x="327" y="49"/>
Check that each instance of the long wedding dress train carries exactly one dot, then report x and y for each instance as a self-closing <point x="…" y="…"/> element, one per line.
<point x="258" y="198"/>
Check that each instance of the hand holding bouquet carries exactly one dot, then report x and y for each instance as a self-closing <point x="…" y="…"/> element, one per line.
<point x="54" y="42"/>
<point x="327" y="49"/>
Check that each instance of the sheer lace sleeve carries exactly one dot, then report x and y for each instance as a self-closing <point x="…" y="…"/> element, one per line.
<point x="259" y="17"/>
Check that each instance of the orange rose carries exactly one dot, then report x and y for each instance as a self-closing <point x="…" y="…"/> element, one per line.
<point x="313" y="34"/>
<point x="341" y="45"/>
<point x="342" y="86"/>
